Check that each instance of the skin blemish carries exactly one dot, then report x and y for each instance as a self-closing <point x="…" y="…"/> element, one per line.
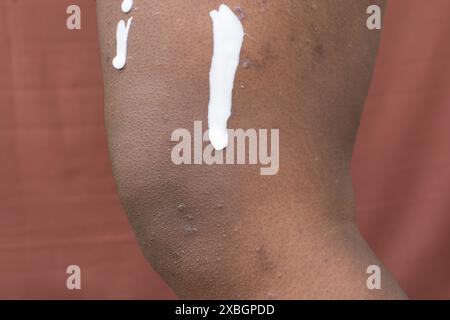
<point x="263" y="259"/>
<point x="191" y="230"/>
<point x="249" y="64"/>
<point x="319" y="50"/>
<point x="240" y="13"/>
<point x="246" y="64"/>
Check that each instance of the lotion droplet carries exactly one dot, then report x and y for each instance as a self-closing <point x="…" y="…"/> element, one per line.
<point x="122" y="41"/>
<point x="228" y="33"/>
<point x="127" y="5"/>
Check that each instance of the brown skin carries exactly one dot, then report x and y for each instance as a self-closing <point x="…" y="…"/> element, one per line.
<point x="225" y="231"/>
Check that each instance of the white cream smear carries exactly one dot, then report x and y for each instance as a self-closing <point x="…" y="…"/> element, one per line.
<point x="228" y="40"/>
<point x="123" y="30"/>
<point x="127" y="5"/>
<point x="122" y="39"/>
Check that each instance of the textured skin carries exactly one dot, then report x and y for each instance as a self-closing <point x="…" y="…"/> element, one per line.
<point x="226" y="231"/>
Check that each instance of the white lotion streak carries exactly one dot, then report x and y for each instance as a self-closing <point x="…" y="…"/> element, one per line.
<point x="127" y="5"/>
<point x="122" y="39"/>
<point x="228" y="39"/>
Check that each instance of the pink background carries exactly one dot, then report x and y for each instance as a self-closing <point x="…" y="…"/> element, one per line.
<point x="401" y="165"/>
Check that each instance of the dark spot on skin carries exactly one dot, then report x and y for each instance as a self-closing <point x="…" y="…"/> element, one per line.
<point x="240" y="13"/>
<point x="268" y="54"/>
<point x="292" y="38"/>
<point x="319" y="50"/>
<point x="264" y="260"/>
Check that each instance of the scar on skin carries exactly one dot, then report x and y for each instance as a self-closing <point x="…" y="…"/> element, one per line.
<point x="247" y="64"/>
